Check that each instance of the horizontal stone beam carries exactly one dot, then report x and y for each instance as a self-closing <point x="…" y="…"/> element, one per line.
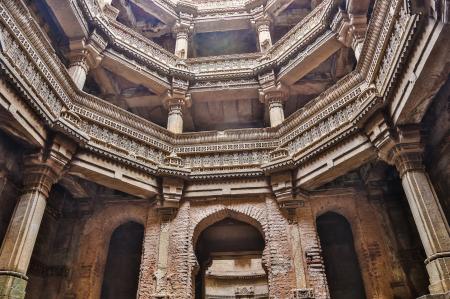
<point x="342" y="158"/>
<point x="112" y="175"/>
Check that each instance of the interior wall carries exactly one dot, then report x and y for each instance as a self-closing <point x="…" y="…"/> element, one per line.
<point x="341" y="263"/>
<point x="120" y="279"/>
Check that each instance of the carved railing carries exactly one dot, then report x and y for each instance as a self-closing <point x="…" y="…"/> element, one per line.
<point x="152" y="56"/>
<point x="29" y="63"/>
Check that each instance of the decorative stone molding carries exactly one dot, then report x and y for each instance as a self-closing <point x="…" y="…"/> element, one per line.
<point x="172" y="190"/>
<point x="44" y="169"/>
<point x="351" y="31"/>
<point x="126" y="138"/>
<point x="303" y="294"/>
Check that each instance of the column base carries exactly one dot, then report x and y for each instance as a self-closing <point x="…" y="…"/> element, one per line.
<point x="12" y="285"/>
<point x="436" y="296"/>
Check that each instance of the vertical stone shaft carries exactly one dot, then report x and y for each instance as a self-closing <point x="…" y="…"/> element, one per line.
<point x="78" y="70"/>
<point x="428" y="215"/>
<point x="264" y="38"/>
<point x="18" y="244"/>
<point x="276" y="112"/>
<point x="181" y="44"/>
<point x="15" y="254"/>
<point x="175" y="117"/>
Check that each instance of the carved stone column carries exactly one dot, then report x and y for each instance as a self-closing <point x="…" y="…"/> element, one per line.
<point x="182" y="31"/>
<point x="428" y="215"/>
<point x="41" y="171"/>
<point x="274" y="103"/>
<point x="175" y="106"/>
<point x="403" y="148"/>
<point x="85" y="55"/>
<point x="175" y="118"/>
<point x="264" y="38"/>
<point x="175" y="102"/>
<point x="79" y="68"/>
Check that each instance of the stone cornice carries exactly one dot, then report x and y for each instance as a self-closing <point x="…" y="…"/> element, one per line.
<point x="126" y="138"/>
<point x="138" y="48"/>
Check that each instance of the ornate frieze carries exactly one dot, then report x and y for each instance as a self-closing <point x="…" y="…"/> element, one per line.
<point x="110" y="131"/>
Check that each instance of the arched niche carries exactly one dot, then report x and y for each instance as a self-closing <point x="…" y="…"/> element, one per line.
<point x="229" y="253"/>
<point x="341" y="262"/>
<point x="121" y="272"/>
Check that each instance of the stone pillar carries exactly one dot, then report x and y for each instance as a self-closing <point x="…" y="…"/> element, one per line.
<point x="175" y="101"/>
<point x="276" y="112"/>
<point x="78" y="70"/>
<point x="182" y="31"/>
<point x="427" y="213"/>
<point x="162" y="281"/>
<point x="274" y="103"/>
<point x="175" y="117"/>
<point x="264" y="38"/>
<point x="40" y="173"/>
<point x="85" y="54"/>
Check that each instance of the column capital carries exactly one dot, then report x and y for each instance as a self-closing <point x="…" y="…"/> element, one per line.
<point x="400" y="146"/>
<point x="275" y="96"/>
<point x="351" y="30"/>
<point x="183" y="28"/>
<point x="44" y="168"/>
<point x="174" y="100"/>
<point x="262" y="23"/>
<point x="87" y="52"/>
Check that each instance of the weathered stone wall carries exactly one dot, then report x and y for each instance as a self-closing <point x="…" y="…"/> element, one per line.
<point x="90" y="262"/>
<point x="193" y="217"/>
<point x="10" y="179"/>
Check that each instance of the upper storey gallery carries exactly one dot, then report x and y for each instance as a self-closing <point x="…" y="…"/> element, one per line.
<point x="206" y="65"/>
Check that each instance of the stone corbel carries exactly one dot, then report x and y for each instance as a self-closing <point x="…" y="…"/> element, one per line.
<point x="171" y="193"/>
<point x="174" y="175"/>
<point x="85" y="55"/>
<point x="351" y="30"/>
<point x="281" y="183"/>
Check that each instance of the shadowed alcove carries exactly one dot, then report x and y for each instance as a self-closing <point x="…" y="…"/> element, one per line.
<point x="121" y="274"/>
<point x="229" y="253"/>
<point x="341" y="263"/>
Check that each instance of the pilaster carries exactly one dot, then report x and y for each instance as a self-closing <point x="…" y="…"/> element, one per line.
<point x="42" y="170"/>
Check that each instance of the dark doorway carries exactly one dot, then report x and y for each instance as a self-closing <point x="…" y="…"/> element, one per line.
<point x="120" y="280"/>
<point x="341" y="263"/>
<point x="229" y="253"/>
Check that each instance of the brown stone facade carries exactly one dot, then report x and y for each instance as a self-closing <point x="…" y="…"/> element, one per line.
<point x="224" y="149"/>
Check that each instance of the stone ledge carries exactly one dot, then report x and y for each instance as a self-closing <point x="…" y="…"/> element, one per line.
<point x="436" y="296"/>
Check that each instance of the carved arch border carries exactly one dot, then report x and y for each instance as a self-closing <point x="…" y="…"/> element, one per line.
<point x="350" y="209"/>
<point x="250" y="214"/>
<point x="94" y="246"/>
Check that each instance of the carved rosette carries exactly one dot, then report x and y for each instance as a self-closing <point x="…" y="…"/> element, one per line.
<point x="306" y="293"/>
